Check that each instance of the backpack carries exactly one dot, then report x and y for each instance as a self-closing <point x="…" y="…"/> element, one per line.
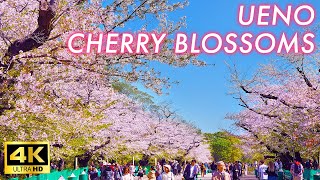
<point x="108" y="175"/>
<point x="297" y="169"/>
<point x="118" y="175"/>
<point x="235" y="173"/>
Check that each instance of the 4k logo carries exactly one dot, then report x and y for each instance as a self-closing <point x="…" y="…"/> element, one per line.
<point x="26" y="157"/>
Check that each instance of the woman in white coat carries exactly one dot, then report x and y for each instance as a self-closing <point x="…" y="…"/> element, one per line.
<point x="126" y="174"/>
<point x="167" y="174"/>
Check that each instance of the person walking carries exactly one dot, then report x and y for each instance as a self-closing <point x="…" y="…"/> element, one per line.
<point x="280" y="165"/>
<point x="140" y="173"/>
<point x="315" y="164"/>
<point x="167" y="174"/>
<point x="203" y="170"/>
<point x="191" y="171"/>
<point x="297" y="170"/>
<point x="235" y="171"/>
<point x="198" y="170"/>
<point x="132" y="169"/>
<point x="117" y="172"/>
<point x="127" y="174"/>
<point x="309" y="164"/>
<point x="152" y="174"/>
<point x="107" y="174"/>
<point x="175" y="167"/>
<point x="239" y="164"/>
<point x="60" y="164"/>
<point x="159" y="168"/>
<point x="93" y="173"/>
<point x="213" y="167"/>
<point x="271" y="171"/>
<point x="262" y="171"/>
<point x="246" y="169"/>
<point x="221" y="173"/>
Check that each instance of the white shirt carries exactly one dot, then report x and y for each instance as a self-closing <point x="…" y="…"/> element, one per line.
<point x="262" y="170"/>
<point x="132" y="169"/>
<point x="280" y="165"/>
<point x="192" y="170"/>
<point x="127" y="177"/>
<point x="169" y="176"/>
<point x="276" y="165"/>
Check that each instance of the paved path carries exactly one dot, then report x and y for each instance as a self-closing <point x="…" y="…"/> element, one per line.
<point x="248" y="177"/>
<point x="208" y="177"/>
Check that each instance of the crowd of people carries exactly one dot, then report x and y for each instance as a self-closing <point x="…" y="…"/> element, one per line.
<point x="167" y="171"/>
<point x="232" y="170"/>
<point x="193" y="170"/>
<point x="108" y="171"/>
<point x="271" y="171"/>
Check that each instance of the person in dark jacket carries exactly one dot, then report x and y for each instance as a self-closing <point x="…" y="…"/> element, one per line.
<point x="61" y="164"/>
<point x="191" y="171"/>
<point x="93" y="173"/>
<point x="315" y="165"/>
<point x="235" y="171"/>
<point x="107" y="174"/>
<point x="213" y="167"/>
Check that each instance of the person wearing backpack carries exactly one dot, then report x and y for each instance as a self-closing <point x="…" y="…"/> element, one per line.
<point x="262" y="171"/>
<point x="235" y="172"/>
<point x="117" y="172"/>
<point x="107" y="174"/>
<point x="297" y="170"/>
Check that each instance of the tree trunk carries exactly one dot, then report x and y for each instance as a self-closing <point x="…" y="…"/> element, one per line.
<point x="86" y="157"/>
<point x="31" y="41"/>
<point x="84" y="161"/>
<point x="287" y="159"/>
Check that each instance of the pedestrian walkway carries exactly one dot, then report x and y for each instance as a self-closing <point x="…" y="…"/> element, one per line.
<point x="248" y="177"/>
<point x="206" y="177"/>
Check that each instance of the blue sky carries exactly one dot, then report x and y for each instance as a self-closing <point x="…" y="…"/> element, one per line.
<point x="201" y="97"/>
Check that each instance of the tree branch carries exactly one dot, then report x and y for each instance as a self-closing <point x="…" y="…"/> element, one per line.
<point x="40" y="35"/>
<point x="253" y="110"/>
<point x="305" y="78"/>
<point x="272" y="97"/>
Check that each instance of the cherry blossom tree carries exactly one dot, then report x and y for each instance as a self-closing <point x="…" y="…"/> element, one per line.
<point x="280" y="105"/>
<point x="201" y="153"/>
<point x="33" y="34"/>
<point x="81" y="116"/>
<point x="48" y="94"/>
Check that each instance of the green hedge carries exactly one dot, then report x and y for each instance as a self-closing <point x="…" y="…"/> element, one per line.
<point x="55" y="175"/>
<point x="307" y="174"/>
